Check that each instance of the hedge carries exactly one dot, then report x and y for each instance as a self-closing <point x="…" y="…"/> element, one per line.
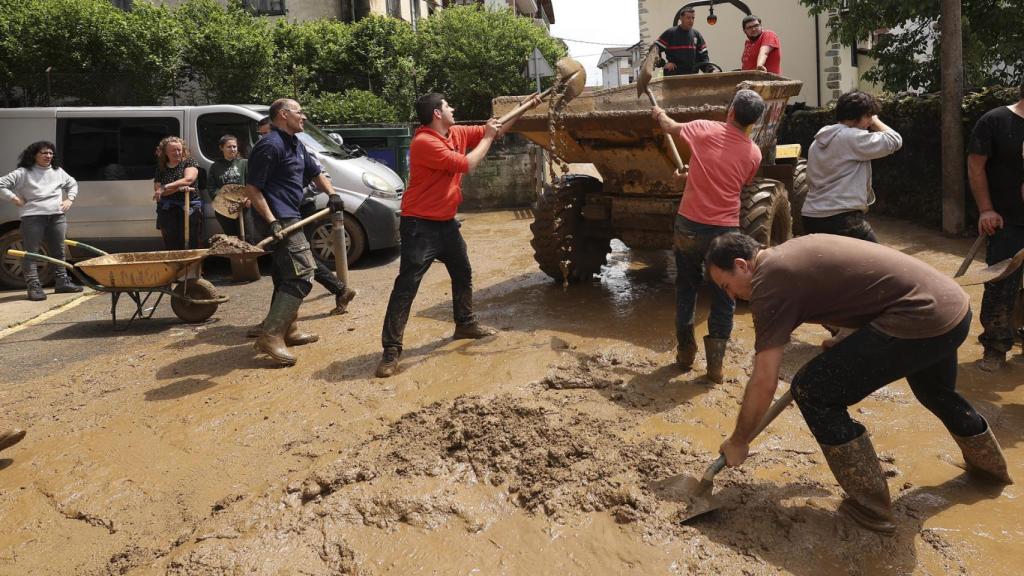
<point x="908" y="184"/>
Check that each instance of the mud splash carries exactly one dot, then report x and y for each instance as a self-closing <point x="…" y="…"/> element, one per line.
<point x="556" y="129"/>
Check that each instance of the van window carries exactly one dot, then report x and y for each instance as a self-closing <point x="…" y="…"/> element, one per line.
<point x="214" y="125"/>
<point x="112" y="148"/>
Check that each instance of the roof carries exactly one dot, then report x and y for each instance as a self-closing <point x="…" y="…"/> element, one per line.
<point x="609" y="53"/>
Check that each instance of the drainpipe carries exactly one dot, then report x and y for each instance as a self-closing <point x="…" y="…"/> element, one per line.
<point x="817" y="57"/>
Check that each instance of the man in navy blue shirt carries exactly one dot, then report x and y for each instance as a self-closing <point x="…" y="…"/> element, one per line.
<point x="279" y="168"/>
<point x="683" y="48"/>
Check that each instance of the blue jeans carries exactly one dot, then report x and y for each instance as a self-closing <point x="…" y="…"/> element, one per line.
<point x="423" y="241"/>
<point x="1000" y="297"/>
<point x="868" y="360"/>
<point x="691" y="241"/>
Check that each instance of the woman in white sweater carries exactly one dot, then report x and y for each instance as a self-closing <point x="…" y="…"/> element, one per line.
<point x="43" y="194"/>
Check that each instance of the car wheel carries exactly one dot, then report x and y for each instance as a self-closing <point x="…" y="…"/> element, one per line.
<point x="12" y="271"/>
<point x="322" y="243"/>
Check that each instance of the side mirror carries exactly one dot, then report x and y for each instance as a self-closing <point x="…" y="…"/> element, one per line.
<point x="336" y="137"/>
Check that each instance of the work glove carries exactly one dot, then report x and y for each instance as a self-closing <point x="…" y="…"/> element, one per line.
<point x="335" y="203"/>
<point x="275" y="230"/>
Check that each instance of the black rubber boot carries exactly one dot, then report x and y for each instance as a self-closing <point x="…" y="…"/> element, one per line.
<point x="714" y="351"/>
<point x="686" y="348"/>
<point x="855" y="465"/>
<point x="283" y="311"/>
<point x="983" y="456"/>
<point x="35" y="291"/>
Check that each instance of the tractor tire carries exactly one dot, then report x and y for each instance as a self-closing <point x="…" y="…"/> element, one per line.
<point x="191" y="312"/>
<point x="764" y="212"/>
<point x="797" y="196"/>
<point x="558" y="232"/>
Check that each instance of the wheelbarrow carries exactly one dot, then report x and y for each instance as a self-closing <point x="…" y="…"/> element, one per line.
<point x="140" y="276"/>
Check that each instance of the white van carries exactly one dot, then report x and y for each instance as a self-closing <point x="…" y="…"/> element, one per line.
<point x="110" y="151"/>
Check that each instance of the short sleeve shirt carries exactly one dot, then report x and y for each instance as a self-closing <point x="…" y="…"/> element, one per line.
<point x="280" y="166"/>
<point x="773" y="63"/>
<point x="722" y="160"/>
<point x="168" y="175"/>
<point x="436" y="166"/>
<point x="850" y="283"/>
<point x="999" y="135"/>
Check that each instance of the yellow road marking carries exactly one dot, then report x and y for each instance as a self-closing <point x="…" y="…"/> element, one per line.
<point x="47" y="315"/>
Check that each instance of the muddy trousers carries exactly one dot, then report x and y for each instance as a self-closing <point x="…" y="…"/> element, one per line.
<point x="867" y="360"/>
<point x="322" y="274"/>
<point x="423" y="241"/>
<point x="853" y="224"/>
<point x="291" y="261"/>
<point x="1000" y="297"/>
<point x="690" y="245"/>
<point x="37" y="230"/>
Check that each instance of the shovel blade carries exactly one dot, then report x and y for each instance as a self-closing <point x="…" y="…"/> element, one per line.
<point x="694" y="494"/>
<point x="700" y="502"/>
<point x="573" y="74"/>
<point x="993" y="273"/>
<point x="646" y="71"/>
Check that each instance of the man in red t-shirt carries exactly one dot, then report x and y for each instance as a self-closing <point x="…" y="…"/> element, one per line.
<point x="762" y="50"/>
<point x="437" y="160"/>
<point x="722" y="160"/>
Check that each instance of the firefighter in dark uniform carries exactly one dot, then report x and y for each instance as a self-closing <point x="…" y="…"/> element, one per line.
<point x="682" y="48"/>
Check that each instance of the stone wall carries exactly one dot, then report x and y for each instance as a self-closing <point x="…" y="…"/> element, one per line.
<point x="507" y="178"/>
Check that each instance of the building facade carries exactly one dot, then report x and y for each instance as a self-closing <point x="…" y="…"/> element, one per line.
<point x="826" y="68"/>
<point x="617" y="67"/>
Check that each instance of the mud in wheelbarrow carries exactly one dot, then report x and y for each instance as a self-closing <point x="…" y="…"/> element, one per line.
<point x="142" y="276"/>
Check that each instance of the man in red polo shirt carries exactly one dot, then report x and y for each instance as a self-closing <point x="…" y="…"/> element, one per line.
<point x="762" y="50"/>
<point x="437" y="160"/>
<point x="722" y="160"/>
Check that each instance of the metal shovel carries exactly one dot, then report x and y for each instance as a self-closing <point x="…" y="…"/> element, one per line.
<point x="569" y="73"/>
<point x="646" y="73"/>
<point x="703" y="500"/>
<point x="993" y="273"/>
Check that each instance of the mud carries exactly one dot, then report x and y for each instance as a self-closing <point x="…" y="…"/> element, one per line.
<point x="567" y="444"/>
<point x="223" y="244"/>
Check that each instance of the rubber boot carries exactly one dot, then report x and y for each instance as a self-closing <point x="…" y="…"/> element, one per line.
<point x="714" y="351"/>
<point x="255" y="332"/>
<point x="9" y="438"/>
<point x="983" y="456"/>
<point x="341" y="301"/>
<point x="64" y="285"/>
<point x="35" y="291"/>
<point x="992" y="361"/>
<point x="282" y="313"/>
<point x="472" y="331"/>
<point x="295" y="337"/>
<point x="686" y="348"/>
<point x="855" y="465"/>
<point x="388" y="364"/>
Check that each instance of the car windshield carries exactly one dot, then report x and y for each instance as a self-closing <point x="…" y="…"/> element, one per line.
<point x="314" y="139"/>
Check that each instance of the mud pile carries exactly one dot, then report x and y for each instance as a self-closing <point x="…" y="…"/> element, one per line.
<point x="222" y="244"/>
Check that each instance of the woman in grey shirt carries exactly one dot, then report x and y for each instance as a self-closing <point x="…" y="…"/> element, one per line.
<point x="43" y="194"/>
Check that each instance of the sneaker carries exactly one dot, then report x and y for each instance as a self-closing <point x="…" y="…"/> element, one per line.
<point x="388" y="364"/>
<point x="472" y="331"/>
<point x="35" y="291"/>
<point x="66" y="286"/>
<point x="341" y="301"/>
<point x="993" y="361"/>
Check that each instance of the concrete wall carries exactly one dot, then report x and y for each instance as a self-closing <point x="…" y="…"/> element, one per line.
<point x="506" y="178"/>
<point x="802" y="57"/>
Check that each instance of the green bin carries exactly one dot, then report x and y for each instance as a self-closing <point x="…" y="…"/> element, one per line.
<point x="386" y="143"/>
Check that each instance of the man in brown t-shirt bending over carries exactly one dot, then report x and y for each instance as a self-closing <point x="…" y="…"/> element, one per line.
<point x="909" y="320"/>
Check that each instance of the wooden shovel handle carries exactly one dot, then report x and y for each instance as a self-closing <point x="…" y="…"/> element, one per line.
<point x="769" y="416"/>
<point x="293" y="227"/>
<point x="670" y="142"/>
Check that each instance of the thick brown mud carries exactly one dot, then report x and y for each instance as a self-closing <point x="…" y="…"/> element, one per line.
<point x="567" y="444"/>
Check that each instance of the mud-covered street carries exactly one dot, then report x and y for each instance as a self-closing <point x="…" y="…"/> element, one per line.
<point x="551" y="448"/>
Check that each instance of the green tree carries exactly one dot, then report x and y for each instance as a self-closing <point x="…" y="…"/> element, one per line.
<point x="472" y="55"/>
<point x="228" y="51"/>
<point x="908" y="54"/>
<point x="380" y="58"/>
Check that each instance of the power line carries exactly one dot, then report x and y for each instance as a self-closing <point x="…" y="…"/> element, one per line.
<point x="596" y="43"/>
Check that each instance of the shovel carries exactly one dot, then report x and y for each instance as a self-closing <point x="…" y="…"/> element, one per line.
<point x="646" y="73"/>
<point x="229" y="203"/>
<point x="993" y="273"/>
<point x="246" y="250"/>
<point x="702" y="500"/>
<point x="569" y="73"/>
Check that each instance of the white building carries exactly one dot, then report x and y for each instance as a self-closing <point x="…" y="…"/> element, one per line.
<point x="617" y="67"/>
<point x="827" y="69"/>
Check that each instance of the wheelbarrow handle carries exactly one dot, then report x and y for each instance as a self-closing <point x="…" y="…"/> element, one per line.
<point x="34" y="256"/>
<point x="83" y="245"/>
<point x="769" y="416"/>
<point x="293" y="227"/>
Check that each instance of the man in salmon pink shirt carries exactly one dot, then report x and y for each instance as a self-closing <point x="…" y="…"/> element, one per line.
<point x="723" y="160"/>
<point x="762" y="50"/>
<point x="439" y="155"/>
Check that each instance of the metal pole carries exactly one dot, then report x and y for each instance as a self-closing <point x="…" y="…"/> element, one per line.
<point x="952" y="124"/>
<point x="340" y="247"/>
<point x="49" y="96"/>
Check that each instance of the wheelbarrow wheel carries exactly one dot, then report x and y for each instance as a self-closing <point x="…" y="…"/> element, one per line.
<point x="764" y="212"/>
<point x="191" y="312"/>
<point x="559" y="235"/>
